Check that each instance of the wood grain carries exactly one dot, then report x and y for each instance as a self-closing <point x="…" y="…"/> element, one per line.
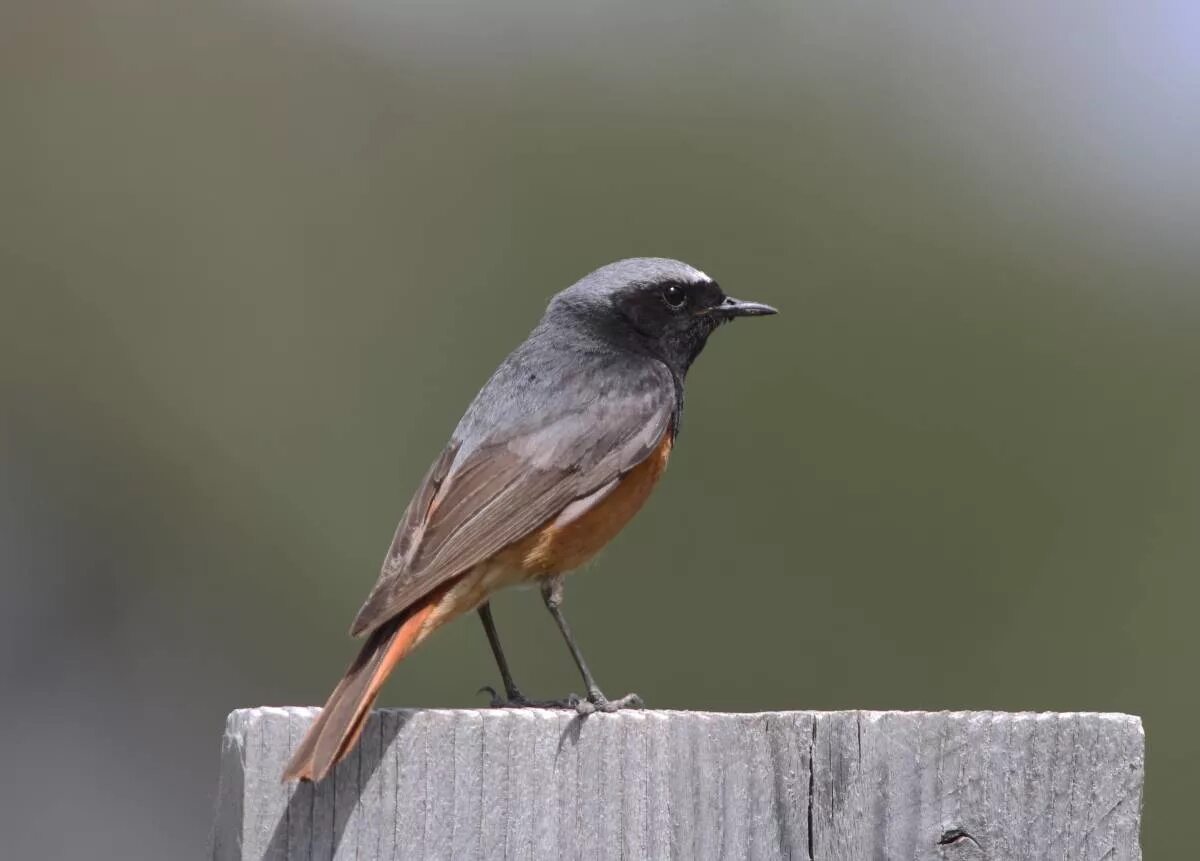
<point x="841" y="786"/>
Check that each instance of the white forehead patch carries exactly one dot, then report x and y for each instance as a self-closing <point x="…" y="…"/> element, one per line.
<point x="699" y="277"/>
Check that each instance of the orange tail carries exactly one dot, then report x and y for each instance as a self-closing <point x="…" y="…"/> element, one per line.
<point x="341" y="721"/>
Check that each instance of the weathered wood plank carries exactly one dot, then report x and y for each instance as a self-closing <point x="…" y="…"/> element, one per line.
<point x="834" y="786"/>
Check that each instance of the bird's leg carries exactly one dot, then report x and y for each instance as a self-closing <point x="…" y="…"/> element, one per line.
<point x="512" y="694"/>
<point x="513" y="698"/>
<point x="552" y="594"/>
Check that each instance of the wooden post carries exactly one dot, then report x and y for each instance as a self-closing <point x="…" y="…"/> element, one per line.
<point x="834" y="786"/>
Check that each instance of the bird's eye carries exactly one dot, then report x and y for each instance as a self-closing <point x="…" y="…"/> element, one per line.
<point x="674" y="295"/>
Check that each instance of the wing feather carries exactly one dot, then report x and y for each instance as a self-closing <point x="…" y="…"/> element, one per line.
<point x="476" y="501"/>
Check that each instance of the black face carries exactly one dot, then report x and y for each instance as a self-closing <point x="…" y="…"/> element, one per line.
<point x="675" y="318"/>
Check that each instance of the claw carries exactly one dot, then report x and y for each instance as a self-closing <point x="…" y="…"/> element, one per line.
<point x="496" y="702"/>
<point x="601" y="703"/>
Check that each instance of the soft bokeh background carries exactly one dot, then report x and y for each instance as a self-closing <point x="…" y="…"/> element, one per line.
<point x="255" y="258"/>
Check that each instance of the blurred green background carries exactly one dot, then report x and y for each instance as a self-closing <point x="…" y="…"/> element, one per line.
<point x="255" y="259"/>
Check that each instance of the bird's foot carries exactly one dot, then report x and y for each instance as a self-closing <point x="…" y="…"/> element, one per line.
<point x="598" y="702"/>
<point x="514" y="699"/>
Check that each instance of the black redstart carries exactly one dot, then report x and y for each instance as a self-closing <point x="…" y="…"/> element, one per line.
<point x="553" y="457"/>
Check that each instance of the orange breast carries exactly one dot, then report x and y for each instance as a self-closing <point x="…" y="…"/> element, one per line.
<point x="578" y="534"/>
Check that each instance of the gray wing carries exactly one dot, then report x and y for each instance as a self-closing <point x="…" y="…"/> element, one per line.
<point x="478" y="498"/>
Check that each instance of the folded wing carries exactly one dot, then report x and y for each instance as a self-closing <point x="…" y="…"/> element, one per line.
<point x="481" y="496"/>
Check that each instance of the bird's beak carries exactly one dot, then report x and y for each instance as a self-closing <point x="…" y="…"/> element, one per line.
<point x="731" y="308"/>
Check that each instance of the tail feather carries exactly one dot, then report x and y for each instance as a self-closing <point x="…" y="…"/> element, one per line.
<point x="341" y="722"/>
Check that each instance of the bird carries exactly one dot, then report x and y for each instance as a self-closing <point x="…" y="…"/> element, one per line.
<point x="557" y="452"/>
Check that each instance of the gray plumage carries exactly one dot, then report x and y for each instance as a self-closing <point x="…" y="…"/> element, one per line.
<point x="586" y="397"/>
<point x="595" y="389"/>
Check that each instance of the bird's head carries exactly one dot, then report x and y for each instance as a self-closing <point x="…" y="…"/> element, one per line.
<point x="652" y="303"/>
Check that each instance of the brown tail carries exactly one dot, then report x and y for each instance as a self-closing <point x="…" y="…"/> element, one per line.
<point x="341" y="721"/>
